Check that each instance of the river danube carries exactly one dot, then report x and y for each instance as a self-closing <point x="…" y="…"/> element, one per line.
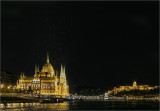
<point x="82" y="105"/>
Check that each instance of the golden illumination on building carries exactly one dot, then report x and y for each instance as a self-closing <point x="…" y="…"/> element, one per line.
<point x="129" y="88"/>
<point x="45" y="82"/>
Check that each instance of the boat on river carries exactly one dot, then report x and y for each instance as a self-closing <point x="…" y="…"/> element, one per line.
<point x="69" y="99"/>
<point x="51" y="100"/>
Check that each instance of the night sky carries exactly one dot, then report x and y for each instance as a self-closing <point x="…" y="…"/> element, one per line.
<point x="102" y="44"/>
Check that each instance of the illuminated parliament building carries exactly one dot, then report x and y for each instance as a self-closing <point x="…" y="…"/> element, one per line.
<point x="45" y="82"/>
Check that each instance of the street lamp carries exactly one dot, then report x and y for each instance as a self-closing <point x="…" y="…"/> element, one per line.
<point x="1" y="85"/>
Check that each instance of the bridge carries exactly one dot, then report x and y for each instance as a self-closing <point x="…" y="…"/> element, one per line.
<point x="99" y="97"/>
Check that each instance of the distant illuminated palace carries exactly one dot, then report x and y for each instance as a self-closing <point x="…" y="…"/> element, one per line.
<point x="129" y="88"/>
<point x="45" y="82"/>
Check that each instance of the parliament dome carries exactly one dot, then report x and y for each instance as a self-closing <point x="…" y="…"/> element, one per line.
<point x="47" y="67"/>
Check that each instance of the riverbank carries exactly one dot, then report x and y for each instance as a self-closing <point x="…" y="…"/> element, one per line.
<point x="17" y="100"/>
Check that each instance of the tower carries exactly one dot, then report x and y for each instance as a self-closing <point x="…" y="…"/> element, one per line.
<point x="36" y="70"/>
<point x="23" y="75"/>
<point x="62" y="75"/>
<point x="63" y="83"/>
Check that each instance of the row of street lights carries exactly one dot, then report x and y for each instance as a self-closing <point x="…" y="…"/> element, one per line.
<point x="7" y="86"/>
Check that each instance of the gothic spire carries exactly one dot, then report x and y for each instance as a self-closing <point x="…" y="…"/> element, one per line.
<point x="35" y="69"/>
<point x="23" y="75"/>
<point x="38" y="68"/>
<point x="47" y="58"/>
<point x="64" y="69"/>
<point x="61" y="68"/>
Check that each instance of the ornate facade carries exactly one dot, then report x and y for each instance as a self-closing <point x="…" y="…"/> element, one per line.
<point x="129" y="88"/>
<point x="46" y="81"/>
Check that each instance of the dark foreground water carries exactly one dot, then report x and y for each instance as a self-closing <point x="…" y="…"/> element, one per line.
<point x="81" y="105"/>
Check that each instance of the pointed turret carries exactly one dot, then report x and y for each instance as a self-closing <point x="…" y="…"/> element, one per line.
<point x="38" y="68"/>
<point x="35" y="69"/>
<point x="61" y="68"/>
<point x="21" y="75"/>
<point x="62" y="75"/>
<point x="64" y="70"/>
<point x="57" y="75"/>
<point x="47" y="58"/>
<point x="17" y="83"/>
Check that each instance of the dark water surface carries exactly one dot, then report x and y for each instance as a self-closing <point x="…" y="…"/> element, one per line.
<point x="82" y="105"/>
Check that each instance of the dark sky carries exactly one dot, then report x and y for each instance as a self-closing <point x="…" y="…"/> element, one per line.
<point x="102" y="44"/>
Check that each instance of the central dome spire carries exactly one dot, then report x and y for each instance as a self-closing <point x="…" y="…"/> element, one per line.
<point x="47" y="67"/>
<point x="47" y="58"/>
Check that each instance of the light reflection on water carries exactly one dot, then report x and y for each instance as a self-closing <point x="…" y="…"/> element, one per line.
<point x="34" y="106"/>
<point x="80" y="105"/>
